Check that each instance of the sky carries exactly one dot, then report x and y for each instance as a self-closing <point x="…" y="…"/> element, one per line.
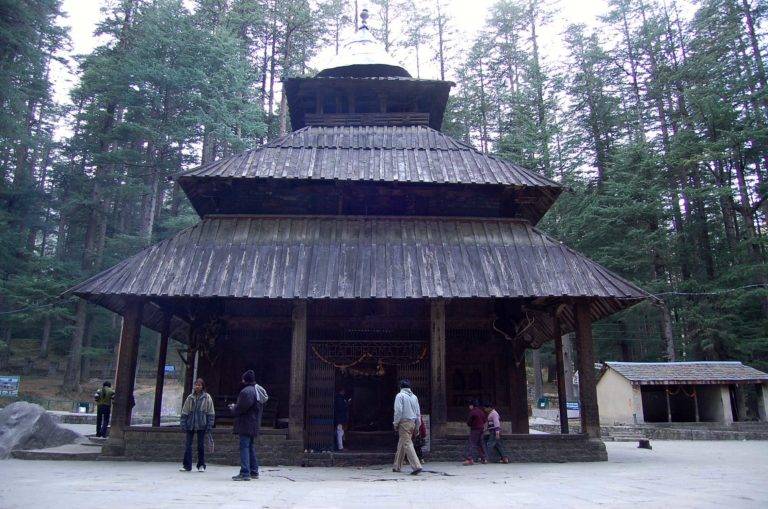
<point x="468" y="17"/>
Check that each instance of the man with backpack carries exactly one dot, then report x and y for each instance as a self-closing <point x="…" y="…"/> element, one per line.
<point x="103" y="398"/>
<point x="247" y="412"/>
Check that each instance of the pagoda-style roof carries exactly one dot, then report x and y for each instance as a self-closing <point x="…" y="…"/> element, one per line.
<point x="401" y="158"/>
<point x="416" y="154"/>
<point x="360" y="258"/>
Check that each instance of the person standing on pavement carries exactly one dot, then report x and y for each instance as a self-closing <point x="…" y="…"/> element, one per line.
<point x="476" y="422"/>
<point x="494" y="445"/>
<point x="406" y="422"/>
<point x="197" y="417"/>
<point x="247" y="412"/>
<point x="103" y="399"/>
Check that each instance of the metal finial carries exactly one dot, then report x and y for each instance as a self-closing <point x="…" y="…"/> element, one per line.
<point x="364" y="17"/>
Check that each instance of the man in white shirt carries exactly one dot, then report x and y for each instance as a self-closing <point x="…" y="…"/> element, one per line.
<point x="406" y="422"/>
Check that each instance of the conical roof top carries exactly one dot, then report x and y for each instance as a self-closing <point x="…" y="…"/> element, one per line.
<point x="363" y="56"/>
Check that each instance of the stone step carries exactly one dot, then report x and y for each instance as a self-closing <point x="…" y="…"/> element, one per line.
<point x="71" y="452"/>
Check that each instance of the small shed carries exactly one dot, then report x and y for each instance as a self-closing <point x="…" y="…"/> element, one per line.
<point x="648" y="392"/>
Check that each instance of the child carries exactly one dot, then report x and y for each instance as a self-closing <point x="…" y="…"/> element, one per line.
<point x="494" y="444"/>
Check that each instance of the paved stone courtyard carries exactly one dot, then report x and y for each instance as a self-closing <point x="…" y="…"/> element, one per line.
<point x="674" y="474"/>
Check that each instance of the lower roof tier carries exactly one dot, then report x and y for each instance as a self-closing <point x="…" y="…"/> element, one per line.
<point x="348" y="257"/>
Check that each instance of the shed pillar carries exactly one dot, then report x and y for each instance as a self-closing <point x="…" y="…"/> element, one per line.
<point x="762" y="401"/>
<point x="519" y="393"/>
<point x="438" y="397"/>
<point x="590" y="415"/>
<point x="725" y="404"/>
<point x="296" y="400"/>
<point x="562" y="396"/>
<point x="125" y="377"/>
<point x="162" y="353"/>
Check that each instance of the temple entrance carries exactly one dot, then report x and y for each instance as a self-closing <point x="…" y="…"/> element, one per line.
<point x="369" y="372"/>
<point x="371" y="389"/>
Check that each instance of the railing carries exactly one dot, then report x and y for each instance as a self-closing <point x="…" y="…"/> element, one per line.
<point x="373" y="119"/>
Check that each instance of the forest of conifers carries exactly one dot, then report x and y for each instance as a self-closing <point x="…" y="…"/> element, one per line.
<point x="655" y="118"/>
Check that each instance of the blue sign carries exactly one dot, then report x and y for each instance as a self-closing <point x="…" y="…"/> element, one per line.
<point x="170" y="368"/>
<point x="9" y="385"/>
<point x="572" y="405"/>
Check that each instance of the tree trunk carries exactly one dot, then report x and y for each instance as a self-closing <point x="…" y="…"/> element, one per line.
<point x="45" y="338"/>
<point x="74" y="365"/>
<point x="538" y="382"/>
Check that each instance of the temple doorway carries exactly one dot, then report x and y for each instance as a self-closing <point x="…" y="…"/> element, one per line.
<point x="370" y="388"/>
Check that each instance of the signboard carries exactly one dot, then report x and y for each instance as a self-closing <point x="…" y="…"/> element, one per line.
<point x="572" y="405"/>
<point x="170" y="368"/>
<point x="9" y="385"/>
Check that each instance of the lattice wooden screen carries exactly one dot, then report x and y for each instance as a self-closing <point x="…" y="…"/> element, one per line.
<point x="320" y="392"/>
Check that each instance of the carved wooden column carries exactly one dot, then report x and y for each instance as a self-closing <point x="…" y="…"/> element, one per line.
<point x="438" y="397"/>
<point x="590" y="416"/>
<point x="298" y="371"/>
<point x="125" y="376"/>
<point x="562" y="396"/>
<point x="162" y="355"/>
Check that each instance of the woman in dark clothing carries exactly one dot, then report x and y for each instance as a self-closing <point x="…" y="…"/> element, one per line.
<point x="197" y="417"/>
<point x="476" y="422"/>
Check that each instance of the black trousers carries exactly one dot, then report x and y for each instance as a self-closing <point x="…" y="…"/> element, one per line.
<point x="102" y="419"/>
<point x="200" y="449"/>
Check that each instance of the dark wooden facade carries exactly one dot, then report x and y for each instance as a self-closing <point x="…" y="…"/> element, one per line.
<point x="364" y="247"/>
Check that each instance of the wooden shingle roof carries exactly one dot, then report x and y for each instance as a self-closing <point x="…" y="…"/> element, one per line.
<point x="687" y="373"/>
<point x="407" y="154"/>
<point x="343" y="257"/>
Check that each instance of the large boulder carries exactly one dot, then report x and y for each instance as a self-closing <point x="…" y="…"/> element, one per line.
<point x="28" y="426"/>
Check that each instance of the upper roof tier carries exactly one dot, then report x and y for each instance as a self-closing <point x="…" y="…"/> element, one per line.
<point x="363" y="56"/>
<point x="364" y="170"/>
<point x="364" y="85"/>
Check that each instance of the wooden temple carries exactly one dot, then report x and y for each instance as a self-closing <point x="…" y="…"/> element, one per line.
<point x="363" y="247"/>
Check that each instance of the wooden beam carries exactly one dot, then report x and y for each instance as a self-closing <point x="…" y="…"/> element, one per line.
<point x="590" y="415"/>
<point x="162" y="355"/>
<point x="298" y="371"/>
<point x="669" y="407"/>
<point x="438" y="395"/>
<point x="125" y="376"/>
<point x="562" y="396"/>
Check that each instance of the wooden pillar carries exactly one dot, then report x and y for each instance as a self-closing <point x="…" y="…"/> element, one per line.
<point x="590" y="415"/>
<point x="562" y="396"/>
<point x="762" y="401"/>
<point x="696" y="402"/>
<point x="438" y="397"/>
<point x="669" y="407"/>
<point x="125" y="376"/>
<point x="162" y="355"/>
<point x="518" y="391"/>
<point x="298" y="371"/>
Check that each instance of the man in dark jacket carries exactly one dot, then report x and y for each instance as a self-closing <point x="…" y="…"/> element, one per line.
<point x="247" y="412"/>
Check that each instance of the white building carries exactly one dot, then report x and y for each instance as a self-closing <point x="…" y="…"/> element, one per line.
<point x="647" y="392"/>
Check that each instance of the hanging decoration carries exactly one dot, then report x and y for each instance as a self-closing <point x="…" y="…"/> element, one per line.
<point x="346" y="356"/>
